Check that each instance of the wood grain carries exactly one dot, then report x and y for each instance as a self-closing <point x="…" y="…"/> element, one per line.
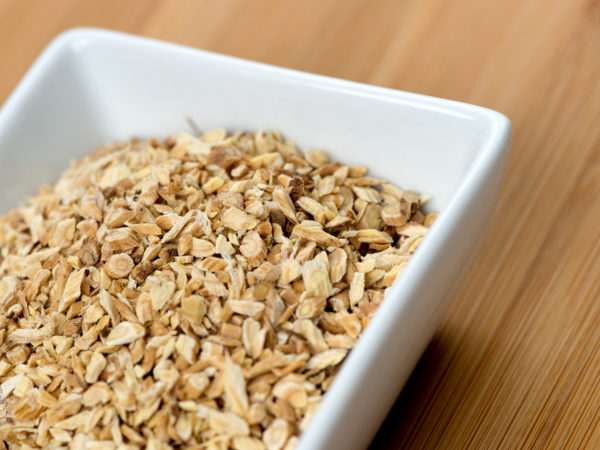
<point x="516" y="362"/>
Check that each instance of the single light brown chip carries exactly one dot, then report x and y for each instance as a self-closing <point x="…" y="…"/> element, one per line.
<point x="326" y="359"/>
<point x="317" y="235"/>
<point x="276" y="435"/>
<point x="235" y="388"/>
<point x="122" y="240"/>
<point x="125" y="333"/>
<point x="317" y="158"/>
<point x="351" y="324"/>
<point x="140" y="272"/>
<point x="238" y="220"/>
<point x="290" y="270"/>
<point x="253" y="248"/>
<point x="161" y="292"/>
<point x="74" y="421"/>
<point x="187" y="347"/>
<point x="247" y="443"/>
<point x="285" y="204"/>
<point x="374" y="237"/>
<point x="174" y="231"/>
<point x="411" y="230"/>
<point x="213" y="264"/>
<point x="8" y="288"/>
<point x="337" y="264"/>
<point x="212" y="185"/>
<point x="253" y="337"/>
<point x="311" y="307"/>
<point x="29" y="335"/>
<point x="39" y="278"/>
<point x="146" y="228"/>
<point x="193" y="308"/>
<point x="367" y="194"/>
<point x="224" y="156"/>
<point x="357" y="287"/>
<point x="314" y="208"/>
<point x="250" y="308"/>
<point x="202" y="248"/>
<point x="228" y="423"/>
<point x="119" y="265"/>
<point x="95" y="367"/>
<point x="316" y="278"/>
<point x="72" y="290"/>
<point x="393" y="215"/>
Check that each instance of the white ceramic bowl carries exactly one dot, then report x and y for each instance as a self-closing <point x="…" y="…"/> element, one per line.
<point x="92" y="86"/>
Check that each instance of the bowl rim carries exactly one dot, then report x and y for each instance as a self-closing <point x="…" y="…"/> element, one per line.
<point x="497" y="123"/>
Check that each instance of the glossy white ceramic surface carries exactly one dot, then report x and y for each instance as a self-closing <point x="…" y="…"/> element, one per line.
<point x="90" y="87"/>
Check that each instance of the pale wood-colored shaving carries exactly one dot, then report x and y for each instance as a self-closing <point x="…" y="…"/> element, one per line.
<point x="316" y="234"/>
<point x="276" y="435"/>
<point x="253" y="248"/>
<point x="357" y="288"/>
<point x="238" y="220"/>
<point x="119" y="265"/>
<point x="72" y="290"/>
<point x="202" y="248"/>
<point x="161" y="292"/>
<point x="125" y="333"/>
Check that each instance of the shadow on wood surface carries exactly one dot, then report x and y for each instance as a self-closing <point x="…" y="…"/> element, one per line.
<point x="411" y="406"/>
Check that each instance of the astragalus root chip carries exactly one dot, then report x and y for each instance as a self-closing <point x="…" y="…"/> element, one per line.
<point x="193" y="292"/>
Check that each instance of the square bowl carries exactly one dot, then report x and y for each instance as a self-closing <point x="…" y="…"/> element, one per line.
<point x="92" y="86"/>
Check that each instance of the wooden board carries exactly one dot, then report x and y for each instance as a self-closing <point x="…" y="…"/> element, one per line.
<point x="516" y="361"/>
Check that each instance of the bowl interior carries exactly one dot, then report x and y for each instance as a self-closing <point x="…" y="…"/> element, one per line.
<point x="92" y="87"/>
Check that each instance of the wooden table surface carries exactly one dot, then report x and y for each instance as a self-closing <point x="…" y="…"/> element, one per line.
<point x="516" y="361"/>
